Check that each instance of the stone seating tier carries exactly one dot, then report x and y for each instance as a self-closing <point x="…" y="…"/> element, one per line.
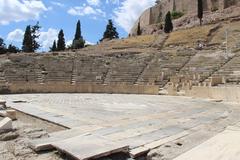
<point x="231" y="71"/>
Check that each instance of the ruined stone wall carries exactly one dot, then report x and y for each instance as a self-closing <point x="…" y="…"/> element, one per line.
<point x="61" y="87"/>
<point x="226" y="93"/>
<point x="156" y="13"/>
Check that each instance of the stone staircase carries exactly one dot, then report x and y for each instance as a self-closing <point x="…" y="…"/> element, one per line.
<point x="126" y="70"/>
<point x="74" y="73"/>
<point x="230" y="70"/>
<point x="91" y="69"/>
<point x="56" y="70"/>
<point x="161" y="68"/>
<point x="3" y="80"/>
<point x="204" y="64"/>
<point x="39" y="76"/>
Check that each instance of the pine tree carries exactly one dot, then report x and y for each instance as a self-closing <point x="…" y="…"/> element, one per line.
<point x="35" y="35"/>
<point x="3" y="49"/>
<point x="200" y="11"/>
<point x="168" y="23"/>
<point x="12" y="49"/>
<point x="27" y="40"/>
<point x="54" y="47"/>
<point x="78" y="41"/>
<point x="78" y="33"/>
<point x="111" y="31"/>
<point x="61" y="41"/>
<point x="139" y="31"/>
<point x="31" y="35"/>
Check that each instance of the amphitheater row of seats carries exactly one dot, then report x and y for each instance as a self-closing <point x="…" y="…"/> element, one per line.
<point x="231" y="70"/>
<point x="129" y="69"/>
<point x="205" y="64"/>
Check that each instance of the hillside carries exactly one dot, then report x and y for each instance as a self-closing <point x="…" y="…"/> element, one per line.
<point x="152" y="20"/>
<point x="143" y="60"/>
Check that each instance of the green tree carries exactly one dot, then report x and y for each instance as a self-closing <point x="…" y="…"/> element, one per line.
<point x="61" y="46"/>
<point x="27" y="40"/>
<point x="168" y="23"/>
<point x="78" y="33"/>
<point x="200" y="11"/>
<point x="78" y="41"/>
<point x="3" y="49"/>
<point x="31" y="35"/>
<point x="35" y="31"/>
<point x="54" y="47"/>
<point x="12" y="49"/>
<point x="139" y="31"/>
<point x="111" y="31"/>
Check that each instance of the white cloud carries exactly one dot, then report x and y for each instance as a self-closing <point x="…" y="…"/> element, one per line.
<point x="46" y="38"/>
<point x="16" y="35"/>
<point x="89" y="43"/>
<point x="94" y="2"/>
<point x="129" y="11"/>
<point x="69" y="43"/>
<point x="20" y="10"/>
<point x="57" y="4"/>
<point x="116" y="2"/>
<point x="85" y="10"/>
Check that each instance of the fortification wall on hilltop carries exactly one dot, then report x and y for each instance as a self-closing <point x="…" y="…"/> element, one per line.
<point x="156" y="14"/>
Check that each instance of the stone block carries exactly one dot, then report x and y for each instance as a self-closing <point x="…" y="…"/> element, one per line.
<point x="11" y="114"/>
<point x="6" y="125"/>
<point x="3" y="113"/>
<point x="3" y="103"/>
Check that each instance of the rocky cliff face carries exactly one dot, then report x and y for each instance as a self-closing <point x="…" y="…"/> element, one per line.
<point x="151" y="20"/>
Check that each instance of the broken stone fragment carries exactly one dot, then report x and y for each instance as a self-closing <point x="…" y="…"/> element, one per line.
<point x="8" y="136"/>
<point x="6" y="125"/>
<point x="3" y="104"/>
<point x="8" y="113"/>
<point x="11" y="114"/>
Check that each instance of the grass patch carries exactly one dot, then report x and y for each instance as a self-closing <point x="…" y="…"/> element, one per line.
<point x="176" y="14"/>
<point x="188" y="36"/>
<point x="132" y="41"/>
<point x="233" y="34"/>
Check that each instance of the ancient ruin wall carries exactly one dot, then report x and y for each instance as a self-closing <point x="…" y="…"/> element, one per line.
<point x="157" y="13"/>
<point x="61" y="87"/>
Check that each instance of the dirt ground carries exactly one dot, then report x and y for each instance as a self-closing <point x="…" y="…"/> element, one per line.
<point x="14" y="145"/>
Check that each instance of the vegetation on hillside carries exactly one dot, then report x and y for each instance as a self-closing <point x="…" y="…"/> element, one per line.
<point x="176" y="14"/>
<point x="200" y="11"/>
<point x="54" y="47"/>
<point x="189" y="37"/>
<point x="13" y="49"/>
<point x="78" y="41"/>
<point x="10" y="49"/>
<point x="168" y="23"/>
<point x="61" y="45"/>
<point x="110" y="32"/>
<point x="2" y="46"/>
<point x="31" y="35"/>
<point x="139" y="31"/>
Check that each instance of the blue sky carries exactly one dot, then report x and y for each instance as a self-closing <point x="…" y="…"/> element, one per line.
<point x="54" y="15"/>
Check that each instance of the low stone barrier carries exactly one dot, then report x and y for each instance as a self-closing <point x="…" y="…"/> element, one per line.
<point x="226" y="93"/>
<point x="82" y="88"/>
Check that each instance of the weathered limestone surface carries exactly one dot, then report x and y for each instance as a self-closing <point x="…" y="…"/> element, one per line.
<point x="156" y="14"/>
<point x="138" y="121"/>
<point x="6" y="125"/>
<point x="224" y="146"/>
<point x="89" y="147"/>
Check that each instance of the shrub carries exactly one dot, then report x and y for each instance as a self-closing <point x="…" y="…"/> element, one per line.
<point x="176" y="14"/>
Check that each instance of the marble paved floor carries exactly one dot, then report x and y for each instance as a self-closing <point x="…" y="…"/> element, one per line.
<point x="135" y="120"/>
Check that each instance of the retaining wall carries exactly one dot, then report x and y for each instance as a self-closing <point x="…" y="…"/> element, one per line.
<point x="226" y="93"/>
<point x="81" y="88"/>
